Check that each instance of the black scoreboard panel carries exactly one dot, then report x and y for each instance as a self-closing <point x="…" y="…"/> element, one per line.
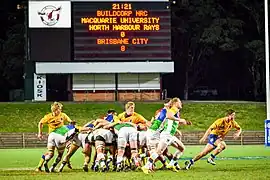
<point x="113" y="31"/>
<point x="50" y="44"/>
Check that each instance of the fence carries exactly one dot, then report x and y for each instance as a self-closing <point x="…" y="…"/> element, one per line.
<point x="30" y="140"/>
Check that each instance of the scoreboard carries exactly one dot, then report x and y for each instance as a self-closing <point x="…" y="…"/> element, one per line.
<point x="119" y="31"/>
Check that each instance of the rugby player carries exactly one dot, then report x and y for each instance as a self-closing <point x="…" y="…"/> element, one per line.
<point x="77" y="140"/>
<point x="153" y="132"/>
<point x="131" y="116"/>
<point x="167" y="135"/>
<point x="216" y="134"/>
<point x="127" y="132"/>
<point x="56" y="138"/>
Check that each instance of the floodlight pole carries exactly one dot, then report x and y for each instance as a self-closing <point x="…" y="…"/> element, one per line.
<point x="267" y="121"/>
<point x="267" y="60"/>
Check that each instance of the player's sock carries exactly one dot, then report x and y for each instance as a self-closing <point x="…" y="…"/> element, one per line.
<point x="63" y="164"/>
<point x="110" y="159"/>
<point x="119" y="159"/>
<point x="102" y="163"/>
<point x="172" y="162"/>
<point x="189" y="164"/>
<point x="211" y="159"/>
<point x="41" y="161"/>
<point x="57" y="160"/>
<point x="176" y="156"/>
<point x="212" y="156"/>
<point x="177" y="165"/>
<point x="149" y="163"/>
<point x="143" y="155"/>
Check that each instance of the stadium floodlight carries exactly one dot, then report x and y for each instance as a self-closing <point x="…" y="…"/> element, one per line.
<point x="267" y="122"/>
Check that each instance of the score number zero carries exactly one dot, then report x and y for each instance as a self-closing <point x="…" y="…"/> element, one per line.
<point x="122" y="47"/>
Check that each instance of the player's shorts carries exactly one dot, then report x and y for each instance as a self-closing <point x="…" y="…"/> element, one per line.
<point x="56" y="140"/>
<point x="104" y="135"/>
<point x="126" y="134"/>
<point x="212" y="138"/>
<point x="142" y="138"/>
<point x="153" y="138"/>
<point x="166" y="138"/>
<point x="80" y="139"/>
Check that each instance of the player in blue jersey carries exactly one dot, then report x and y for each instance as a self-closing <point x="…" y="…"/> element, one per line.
<point x="153" y="132"/>
<point x="76" y="137"/>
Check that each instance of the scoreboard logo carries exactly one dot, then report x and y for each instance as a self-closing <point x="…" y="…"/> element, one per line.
<point x="50" y="15"/>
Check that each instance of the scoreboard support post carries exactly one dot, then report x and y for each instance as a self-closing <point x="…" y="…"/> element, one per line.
<point x="116" y="87"/>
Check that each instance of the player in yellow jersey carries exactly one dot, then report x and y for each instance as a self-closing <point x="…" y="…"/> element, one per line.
<point x="56" y="138"/>
<point x="131" y="116"/>
<point x="216" y="134"/>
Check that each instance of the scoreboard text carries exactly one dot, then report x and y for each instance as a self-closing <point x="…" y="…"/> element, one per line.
<point x="121" y="31"/>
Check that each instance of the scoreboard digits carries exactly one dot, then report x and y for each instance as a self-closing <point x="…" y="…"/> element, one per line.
<point x="118" y="29"/>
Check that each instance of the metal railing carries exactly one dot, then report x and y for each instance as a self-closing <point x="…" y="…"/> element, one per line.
<point x="30" y="140"/>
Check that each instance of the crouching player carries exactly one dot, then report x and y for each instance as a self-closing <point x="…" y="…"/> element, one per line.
<point x="56" y="139"/>
<point x="102" y="138"/>
<point x="127" y="132"/>
<point x="216" y="133"/>
<point x="78" y="138"/>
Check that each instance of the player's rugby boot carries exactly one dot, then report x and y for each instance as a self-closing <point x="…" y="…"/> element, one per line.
<point x="46" y="167"/>
<point x="211" y="161"/>
<point x="38" y="169"/>
<point x="145" y="170"/>
<point x="189" y="164"/>
<point x="173" y="168"/>
<point x="85" y="168"/>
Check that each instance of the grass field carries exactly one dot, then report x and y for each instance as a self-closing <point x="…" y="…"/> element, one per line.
<point x="24" y="117"/>
<point x="237" y="162"/>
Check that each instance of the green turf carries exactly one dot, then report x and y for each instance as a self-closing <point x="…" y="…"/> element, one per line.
<point x="24" y="117"/>
<point x="225" y="169"/>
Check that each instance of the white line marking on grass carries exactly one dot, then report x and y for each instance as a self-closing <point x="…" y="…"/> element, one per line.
<point x="18" y="169"/>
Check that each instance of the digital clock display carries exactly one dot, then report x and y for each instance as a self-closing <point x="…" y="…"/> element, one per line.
<point x="111" y="31"/>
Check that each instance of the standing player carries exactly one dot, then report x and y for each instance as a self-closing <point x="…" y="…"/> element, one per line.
<point x="167" y="135"/>
<point x="131" y="116"/>
<point x="56" y="139"/>
<point x="216" y="133"/>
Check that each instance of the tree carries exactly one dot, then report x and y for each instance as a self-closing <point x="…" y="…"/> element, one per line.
<point x="255" y="45"/>
<point x="12" y="56"/>
<point x="201" y="27"/>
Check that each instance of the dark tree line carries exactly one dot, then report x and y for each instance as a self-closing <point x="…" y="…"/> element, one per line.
<point x="220" y="42"/>
<point x="215" y="43"/>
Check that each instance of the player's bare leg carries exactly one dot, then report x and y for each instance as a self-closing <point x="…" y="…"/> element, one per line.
<point x="68" y="145"/>
<point x="100" y="160"/>
<point x="207" y="149"/>
<point x="178" y="153"/>
<point x="42" y="160"/>
<point x="122" y="143"/>
<point x="154" y="155"/>
<point x="73" y="148"/>
<point x="134" y="153"/>
<point x="61" y="151"/>
<point x="87" y="157"/>
<point x="94" y="160"/>
<point x="111" y="157"/>
<point x="49" y="155"/>
<point x="220" y="147"/>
